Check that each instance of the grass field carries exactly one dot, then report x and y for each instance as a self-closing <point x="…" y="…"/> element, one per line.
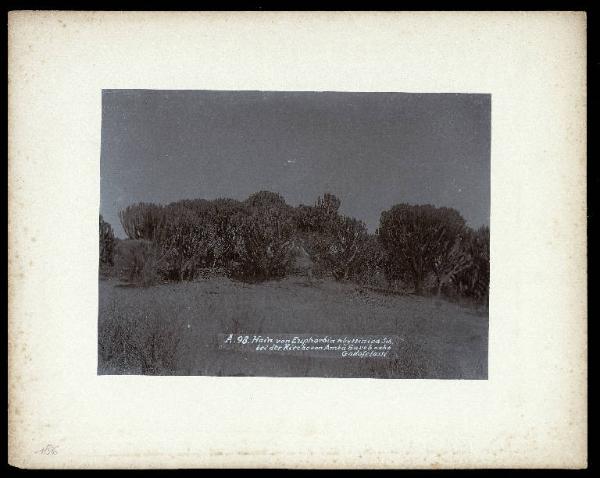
<point x="172" y="329"/>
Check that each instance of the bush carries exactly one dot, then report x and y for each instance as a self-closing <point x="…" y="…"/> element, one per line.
<point x="369" y="271"/>
<point x="340" y="249"/>
<point x="142" y="220"/>
<point x="252" y="240"/>
<point x="317" y="218"/>
<point x="255" y="239"/>
<point x="419" y="241"/>
<point x="452" y="257"/>
<point x="138" y="262"/>
<point x="192" y="235"/>
<point x="224" y="217"/>
<point x="107" y="243"/>
<point x="266" y="200"/>
<point x="139" y="343"/>
<point x="185" y="241"/>
<point x="307" y="219"/>
<point x="474" y="280"/>
<point x="328" y="205"/>
<point x="339" y="246"/>
<point x="264" y="246"/>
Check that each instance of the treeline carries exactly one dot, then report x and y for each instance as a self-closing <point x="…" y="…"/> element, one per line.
<point x="423" y="248"/>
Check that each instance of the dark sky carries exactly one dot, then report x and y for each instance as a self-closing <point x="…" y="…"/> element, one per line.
<point x="372" y="150"/>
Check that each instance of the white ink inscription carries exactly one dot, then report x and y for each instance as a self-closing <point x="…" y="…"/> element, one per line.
<point x="340" y="346"/>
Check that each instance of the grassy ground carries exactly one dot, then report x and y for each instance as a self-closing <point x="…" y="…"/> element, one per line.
<point x="172" y="329"/>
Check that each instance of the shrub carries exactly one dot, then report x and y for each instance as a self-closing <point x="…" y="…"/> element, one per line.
<point x="266" y="200"/>
<point x="328" y="205"/>
<point x="256" y="239"/>
<point x="139" y="343"/>
<point x="307" y="219"/>
<point x="317" y="218"/>
<point x="142" y="220"/>
<point x="185" y="241"/>
<point x="339" y="246"/>
<point x="263" y="232"/>
<point x="107" y="243"/>
<point x="418" y="241"/>
<point x="474" y="280"/>
<point x="340" y="250"/>
<point x="225" y="219"/>
<point x="138" y="262"/>
<point x="369" y="270"/>
<point x="452" y="257"/>
<point x="264" y="242"/>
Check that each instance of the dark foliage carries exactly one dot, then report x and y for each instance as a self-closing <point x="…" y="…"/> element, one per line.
<point x="340" y="249"/>
<point x="139" y="343"/>
<point x="138" y="262"/>
<point x="473" y="281"/>
<point x="142" y="220"/>
<point x="261" y="238"/>
<point x="107" y="243"/>
<point x="265" y="238"/>
<point x="422" y="240"/>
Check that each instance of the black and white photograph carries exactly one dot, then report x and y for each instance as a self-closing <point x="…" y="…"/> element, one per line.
<point x="297" y="239"/>
<point x="294" y="234"/>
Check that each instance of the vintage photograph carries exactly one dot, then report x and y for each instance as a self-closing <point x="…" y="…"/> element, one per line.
<point x="326" y="239"/>
<point x="294" y="234"/>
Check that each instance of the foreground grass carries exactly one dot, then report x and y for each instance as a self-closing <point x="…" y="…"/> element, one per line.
<point x="172" y="329"/>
